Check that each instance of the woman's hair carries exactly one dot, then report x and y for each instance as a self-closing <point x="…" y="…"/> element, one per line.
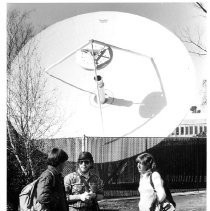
<point x="147" y="160"/>
<point x="56" y="157"/>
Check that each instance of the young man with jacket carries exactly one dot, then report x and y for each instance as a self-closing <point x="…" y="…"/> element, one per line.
<point x="50" y="189"/>
<point x="83" y="188"/>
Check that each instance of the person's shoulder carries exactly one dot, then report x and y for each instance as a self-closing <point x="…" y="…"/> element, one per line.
<point x="50" y="172"/>
<point x="46" y="173"/>
<point x="70" y="176"/>
<point x="95" y="176"/>
<point x="46" y="177"/>
<point x="155" y="175"/>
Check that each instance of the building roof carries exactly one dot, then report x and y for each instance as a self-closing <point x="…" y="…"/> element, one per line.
<point x="195" y="118"/>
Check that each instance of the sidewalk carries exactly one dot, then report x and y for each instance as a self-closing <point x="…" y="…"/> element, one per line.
<point x="173" y="194"/>
<point x="186" y="201"/>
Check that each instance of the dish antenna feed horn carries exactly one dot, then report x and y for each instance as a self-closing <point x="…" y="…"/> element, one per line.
<point x="100" y="85"/>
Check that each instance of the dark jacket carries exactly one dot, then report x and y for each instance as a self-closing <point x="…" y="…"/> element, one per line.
<point x="50" y="190"/>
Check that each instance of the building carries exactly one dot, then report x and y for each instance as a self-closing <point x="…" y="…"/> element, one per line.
<point x="194" y="125"/>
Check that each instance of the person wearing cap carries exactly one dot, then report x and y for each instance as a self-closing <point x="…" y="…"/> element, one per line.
<point x="83" y="188"/>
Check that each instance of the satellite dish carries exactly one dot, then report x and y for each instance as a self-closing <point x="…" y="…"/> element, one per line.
<point x="140" y="70"/>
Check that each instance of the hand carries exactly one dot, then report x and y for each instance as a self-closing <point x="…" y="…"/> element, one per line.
<point x="85" y="196"/>
<point x="43" y="207"/>
<point x="92" y="195"/>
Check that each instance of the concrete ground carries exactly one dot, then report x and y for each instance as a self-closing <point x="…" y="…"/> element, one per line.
<point x="187" y="201"/>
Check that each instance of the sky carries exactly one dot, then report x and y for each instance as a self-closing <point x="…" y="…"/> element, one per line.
<point x="176" y="17"/>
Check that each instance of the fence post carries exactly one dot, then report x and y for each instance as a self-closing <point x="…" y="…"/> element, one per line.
<point x="146" y="144"/>
<point x="83" y="143"/>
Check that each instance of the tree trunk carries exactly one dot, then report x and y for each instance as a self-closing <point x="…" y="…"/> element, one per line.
<point x="15" y="154"/>
<point x="28" y="154"/>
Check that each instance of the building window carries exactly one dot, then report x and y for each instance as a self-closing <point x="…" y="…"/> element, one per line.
<point x="177" y="131"/>
<point x="191" y="130"/>
<point x="205" y="129"/>
<point x="196" y="130"/>
<point x="182" y="130"/>
<point x="186" y="130"/>
<point x="201" y="129"/>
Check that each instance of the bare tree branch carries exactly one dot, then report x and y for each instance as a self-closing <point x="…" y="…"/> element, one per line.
<point x="201" y="6"/>
<point x="18" y="33"/>
<point x="195" y="45"/>
<point x="31" y="108"/>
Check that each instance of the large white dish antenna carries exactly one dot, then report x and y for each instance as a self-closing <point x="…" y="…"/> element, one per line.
<point x="148" y="82"/>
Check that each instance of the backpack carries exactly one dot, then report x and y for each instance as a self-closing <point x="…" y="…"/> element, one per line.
<point x="28" y="195"/>
<point x="169" y="197"/>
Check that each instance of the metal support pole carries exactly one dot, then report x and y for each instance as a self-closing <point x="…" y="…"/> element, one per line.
<point x="66" y="57"/>
<point x="98" y="95"/>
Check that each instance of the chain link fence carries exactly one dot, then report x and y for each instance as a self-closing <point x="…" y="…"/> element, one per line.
<point x="182" y="161"/>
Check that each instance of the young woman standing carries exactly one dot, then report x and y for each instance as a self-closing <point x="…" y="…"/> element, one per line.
<point x="147" y="168"/>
